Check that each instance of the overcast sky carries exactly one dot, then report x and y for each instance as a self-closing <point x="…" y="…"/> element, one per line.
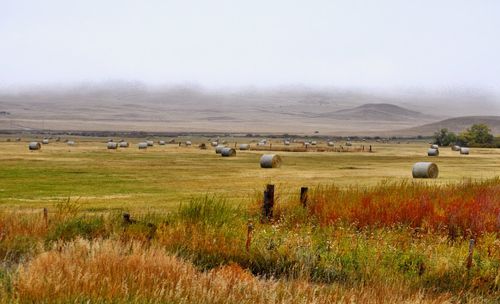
<point x="368" y="44"/>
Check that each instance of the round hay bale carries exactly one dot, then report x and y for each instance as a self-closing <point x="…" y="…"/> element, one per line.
<point x="287" y="142"/>
<point x="464" y="151"/>
<point x="188" y="143"/>
<point x="433" y="152"/>
<point x="70" y="143"/>
<point x="331" y="144"/>
<point x="214" y="144"/>
<point x="34" y="145"/>
<point x="261" y="144"/>
<point x="434" y="146"/>
<point x="348" y="144"/>
<point x="219" y="148"/>
<point x="425" y="170"/>
<point x="455" y="148"/>
<point x="112" y="145"/>
<point x="314" y="143"/>
<point x="227" y="152"/>
<point x="45" y="141"/>
<point x="142" y="145"/>
<point x="244" y="147"/>
<point x="307" y="144"/>
<point x="150" y="143"/>
<point x="124" y="144"/>
<point x="161" y="142"/>
<point x="270" y="161"/>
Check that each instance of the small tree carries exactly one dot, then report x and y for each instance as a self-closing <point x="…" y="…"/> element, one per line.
<point x="444" y="138"/>
<point x="477" y="134"/>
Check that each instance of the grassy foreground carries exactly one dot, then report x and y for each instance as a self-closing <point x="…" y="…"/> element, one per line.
<point x="341" y="247"/>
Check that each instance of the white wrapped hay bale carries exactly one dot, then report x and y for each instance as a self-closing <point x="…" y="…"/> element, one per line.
<point x="45" y="141"/>
<point x="331" y="144"/>
<point x="455" y="148"/>
<point x="70" y="143"/>
<point x="150" y="143"/>
<point x="244" y="147"/>
<point x="161" y="142"/>
<point x="112" y="145"/>
<point x="214" y="144"/>
<point x="464" y="151"/>
<point x="34" y="145"/>
<point x="227" y="152"/>
<point x="314" y="143"/>
<point x="270" y="161"/>
<point x="219" y="148"/>
<point x="143" y="145"/>
<point x="124" y="144"/>
<point x="433" y="152"/>
<point x="425" y="170"/>
<point x="286" y="142"/>
<point x="434" y="146"/>
<point x="188" y="143"/>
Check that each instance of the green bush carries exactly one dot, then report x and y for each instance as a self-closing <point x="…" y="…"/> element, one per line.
<point x="70" y="229"/>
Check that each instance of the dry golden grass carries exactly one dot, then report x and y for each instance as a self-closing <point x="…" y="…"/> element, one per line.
<point x="107" y="271"/>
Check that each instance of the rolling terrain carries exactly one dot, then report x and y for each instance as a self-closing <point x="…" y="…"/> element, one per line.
<point x="290" y="110"/>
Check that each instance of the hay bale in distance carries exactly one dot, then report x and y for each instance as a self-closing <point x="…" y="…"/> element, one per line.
<point x="112" y="145"/>
<point x="464" y="151"/>
<point x="434" y="146"/>
<point x="45" y="141"/>
<point x="34" y="145"/>
<point x="219" y="148"/>
<point x="286" y="142"/>
<point x="244" y="147"/>
<point x="150" y="143"/>
<point x="188" y="143"/>
<point x="348" y="144"/>
<point x="270" y="161"/>
<point x="161" y="142"/>
<point x="425" y="170"/>
<point x="124" y="144"/>
<point x="227" y="152"/>
<point x="142" y="145"/>
<point x="455" y="148"/>
<point x="70" y="143"/>
<point x="432" y="152"/>
<point x="331" y="144"/>
<point x="214" y="144"/>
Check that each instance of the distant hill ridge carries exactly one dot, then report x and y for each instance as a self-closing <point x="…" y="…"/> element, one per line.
<point x="378" y="112"/>
<point x="456" y="124"/>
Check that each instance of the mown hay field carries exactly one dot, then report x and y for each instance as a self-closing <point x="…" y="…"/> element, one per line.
<point x="162" y="176"/>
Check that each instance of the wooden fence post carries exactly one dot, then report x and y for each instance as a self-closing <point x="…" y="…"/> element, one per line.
<point x="46" y="216"/>
<point x="268" y="202"/>
<point x="249" y="235"/>
<point x="303" y="196"/>
<point x="370" y="148"/>
<point x="471" y="252"/>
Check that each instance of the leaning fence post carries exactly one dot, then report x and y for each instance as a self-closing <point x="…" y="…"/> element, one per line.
<point x="268" y="202"/>
<point x="249" y="235"/>
<point x="471" y="252"/>
<point x="46" y="216"/>
<point x="303" y="196"/>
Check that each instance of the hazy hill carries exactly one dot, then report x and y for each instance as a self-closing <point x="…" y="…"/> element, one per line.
<point x="378" y="112"/>
<point x="297" y="110"/>
<point x="457" y="125"/>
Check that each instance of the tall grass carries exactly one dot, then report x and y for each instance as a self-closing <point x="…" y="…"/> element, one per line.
<point x="394" y="242"/>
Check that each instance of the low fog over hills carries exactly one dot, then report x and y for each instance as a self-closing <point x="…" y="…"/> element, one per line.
<point x="136" y="107"/>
